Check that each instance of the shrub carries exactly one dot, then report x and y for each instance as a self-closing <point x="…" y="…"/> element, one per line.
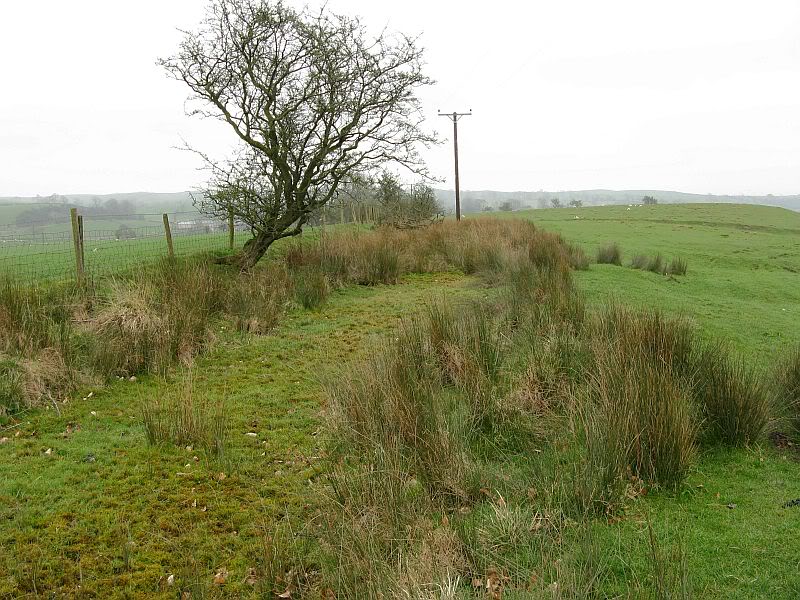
<point x="677" y="266"/>
<point x="736" y="403"/>
<point x="610" y="254"/>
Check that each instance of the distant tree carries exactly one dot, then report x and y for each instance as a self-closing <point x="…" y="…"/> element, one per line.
<point x="402" y="209"/>
<point x="313" y="99"/>
<point x="506" y="205"/>
<point x="576" y="203"/>
<point x="649" y="200"/>
<point x="488" y="208"/>
<point x="555" y="203"/>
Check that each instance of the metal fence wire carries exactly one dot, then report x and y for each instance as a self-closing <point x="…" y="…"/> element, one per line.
<point x="46" y="251"/>
<point x="50" y="255"/>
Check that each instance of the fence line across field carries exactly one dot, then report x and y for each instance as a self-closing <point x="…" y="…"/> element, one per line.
<point x="89" y="251"/>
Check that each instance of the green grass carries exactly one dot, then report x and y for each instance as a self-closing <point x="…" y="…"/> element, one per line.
<point x="65" y="522"/>
<point x="743" y="278"/>
<point x="117" y="526"/>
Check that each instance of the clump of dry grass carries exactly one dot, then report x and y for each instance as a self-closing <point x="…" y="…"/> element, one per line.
<point x="129" y="330"/>
<point x="256" y="300"/>
<point x="485" y="246"/>
<point x="159" y="317"/>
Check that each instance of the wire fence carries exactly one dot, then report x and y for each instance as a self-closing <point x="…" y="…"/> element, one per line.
<point x="34" y="252"/>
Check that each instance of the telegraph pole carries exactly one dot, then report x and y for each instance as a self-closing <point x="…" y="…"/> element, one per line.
<point x="454" y="117"/>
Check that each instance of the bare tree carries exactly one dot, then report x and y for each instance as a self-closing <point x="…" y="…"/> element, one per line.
<point x="314" y="100"/>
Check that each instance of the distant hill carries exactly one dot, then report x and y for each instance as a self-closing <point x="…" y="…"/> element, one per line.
<point x="51" y="213"/>
<point x="136" y="198"/>
<point x="474" y="201"/>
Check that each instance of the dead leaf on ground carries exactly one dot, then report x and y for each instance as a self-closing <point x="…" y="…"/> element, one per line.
<point x="221" y="576"/>
<point x="71" y="428"/>
<point x="494" y="584"/>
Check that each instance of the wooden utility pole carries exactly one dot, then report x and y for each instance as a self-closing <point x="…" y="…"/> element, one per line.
<point x="454" y="117"/>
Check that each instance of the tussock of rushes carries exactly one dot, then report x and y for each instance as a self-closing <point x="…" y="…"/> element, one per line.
<point x="12" y="386"/>
<point x="186" y="418"/>
<point x="677" y="266"/>
<point x="639" y="261"/>
<point x="666" y="341"/>
<point x="391" y="402"/>
<point x="577" y="257"/>
<point x="656" y="265"/>
<point x="737" y="404"/>
<point x="485" y="246"/>
<point x="644" y="418"/>
<point x="311" y="287"/>
<point x="787" y="390"/>
<point x="256" y="300"/>
<point x="156" y="319"/>
<point x="610" y="254"/>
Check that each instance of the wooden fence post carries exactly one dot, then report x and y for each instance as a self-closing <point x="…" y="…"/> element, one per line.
<point x="168" y="234"/>
<point x="78" y="243"/>
<point x="230" y="229"/>
<point x="80" y="239"/>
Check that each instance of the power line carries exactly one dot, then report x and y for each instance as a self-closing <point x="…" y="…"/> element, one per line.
<point x="454" y="117"/>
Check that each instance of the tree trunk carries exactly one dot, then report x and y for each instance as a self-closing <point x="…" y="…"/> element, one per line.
<point x="251" y="253"/>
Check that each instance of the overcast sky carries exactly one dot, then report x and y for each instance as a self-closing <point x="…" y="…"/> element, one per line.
<point x="692" y="95"/>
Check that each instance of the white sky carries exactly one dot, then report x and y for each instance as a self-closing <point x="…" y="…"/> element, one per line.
<point x="693" y="95"/>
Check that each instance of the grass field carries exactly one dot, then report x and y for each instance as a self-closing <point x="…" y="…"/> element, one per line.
<point x="744" y="265"/>
<point x="88" y="509"/>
